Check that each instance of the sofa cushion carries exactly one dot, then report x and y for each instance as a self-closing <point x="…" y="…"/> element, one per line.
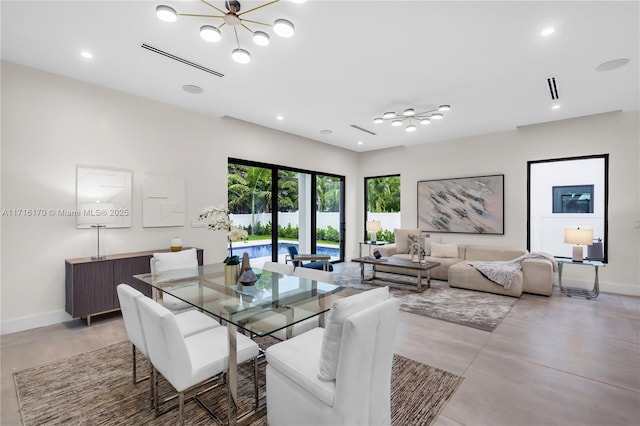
<point x="340" y="310"/>
<point x="463" y="275"/>
<point x="444" y="250"/>
<point x="402" y="238"/>
<point x="491" y="254"/>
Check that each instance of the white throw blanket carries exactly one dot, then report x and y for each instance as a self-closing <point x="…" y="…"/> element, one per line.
<point x="502" y="272"/>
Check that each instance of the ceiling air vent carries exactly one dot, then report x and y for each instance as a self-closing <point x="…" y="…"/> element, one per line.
<point x="363" y="130"/>
<point x="553" y="89"/>
<point x="179" y="59"/>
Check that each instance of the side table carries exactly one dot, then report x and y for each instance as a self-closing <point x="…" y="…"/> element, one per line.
<point x="570" y="291"/>
<point x="369" y="243"/>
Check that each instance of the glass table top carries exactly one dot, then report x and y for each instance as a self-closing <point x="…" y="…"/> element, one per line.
<point x="273" y="303"/>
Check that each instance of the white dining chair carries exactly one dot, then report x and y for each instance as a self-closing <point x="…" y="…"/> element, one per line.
<point x="314" y="274"/>
<point x="280" y="268"/>
<point x="188" y="322"/>
<point x="186" y="261"/>
<point x="339" y="375"/>
<point x="186" y="362"/>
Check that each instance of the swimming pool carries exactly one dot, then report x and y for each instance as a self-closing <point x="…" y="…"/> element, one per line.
<point x="264" y="250"/>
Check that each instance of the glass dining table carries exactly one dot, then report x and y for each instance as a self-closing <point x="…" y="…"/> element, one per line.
<point x="274" y="302"/>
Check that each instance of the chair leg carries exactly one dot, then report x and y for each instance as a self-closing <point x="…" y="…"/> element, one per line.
<point x="181" y="408"/>
<point x="135" y="372"/>
<point x="152" y="387"/>
<point x="256" y="377"/>
<point x="156" y="405"/>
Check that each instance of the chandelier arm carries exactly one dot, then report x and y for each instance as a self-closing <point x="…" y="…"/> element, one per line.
<point x="257" y="22"/>
<point x="235" y="30"/>
<point x="257" y="7"/>
<point x="427" y="112"/>
<point x="210" y="5"/>
<point x="200" y="16"/>
<point x="247" y="28"/>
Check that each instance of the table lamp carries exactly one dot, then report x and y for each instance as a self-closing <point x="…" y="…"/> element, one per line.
<point x="373" y="226"/>
<point x="97" y="215"/>
<point x="579" y="237"/>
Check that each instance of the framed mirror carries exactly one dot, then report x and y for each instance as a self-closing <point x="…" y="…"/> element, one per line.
<point x="103" y="197"/>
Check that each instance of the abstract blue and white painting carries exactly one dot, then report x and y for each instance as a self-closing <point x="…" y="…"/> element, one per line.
<point x="472" y="205"/>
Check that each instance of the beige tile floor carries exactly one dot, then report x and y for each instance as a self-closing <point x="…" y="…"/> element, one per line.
<point x="552" y="361"/>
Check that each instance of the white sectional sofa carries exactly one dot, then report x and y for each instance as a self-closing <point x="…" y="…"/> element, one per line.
<point x="535" y="277"/>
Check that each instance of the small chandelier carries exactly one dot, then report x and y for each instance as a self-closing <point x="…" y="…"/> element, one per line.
<point x="410" y="117"/>
<point x="233" y="18"/>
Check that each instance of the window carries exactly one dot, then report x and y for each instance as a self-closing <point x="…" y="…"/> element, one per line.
<point x="382" y="203"/>
<point x="573" y="199"/>
<point x="564" y="193"/>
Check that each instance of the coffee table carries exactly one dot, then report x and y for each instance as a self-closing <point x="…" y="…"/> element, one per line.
<point x="420" y="267"/>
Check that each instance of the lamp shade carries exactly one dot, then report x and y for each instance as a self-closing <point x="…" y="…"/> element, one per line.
<point x="374" y="225"/>
<point x="578" y="236"/>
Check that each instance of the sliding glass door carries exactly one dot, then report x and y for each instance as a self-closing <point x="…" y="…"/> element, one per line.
<point x="305" y="211"/>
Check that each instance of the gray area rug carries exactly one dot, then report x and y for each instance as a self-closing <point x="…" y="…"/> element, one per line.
<point x="96" y="388"/>
<point x="475" y="309"/>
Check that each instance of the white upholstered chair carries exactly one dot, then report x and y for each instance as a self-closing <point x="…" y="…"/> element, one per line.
<point x="314" y="274"/>
<point x="340" y="375"/>
<point x="189" y="323"/>
<point x="280" y="268"/>
<point x="188" y="361"/>
<point x="185" y="260"/>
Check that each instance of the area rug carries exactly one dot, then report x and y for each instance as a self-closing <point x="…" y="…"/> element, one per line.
<point x="96" y="388"/>
<point x="476" y="309"/>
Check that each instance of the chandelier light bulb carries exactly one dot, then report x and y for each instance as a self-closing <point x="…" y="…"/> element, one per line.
<point x="437" y="116"/>
<point x="283" y="28"/>
<point x="378" y="120"/>
<point x="261" y="38"/>
<point x="166" y="13"/>
<point x="410" y="128"/>
<point x="388" y="115"/>
<point x="425" y="121"/>
<point x="409" y="112"/>
<point x="396" y="123"/>
<point x="444" y="107"/>
<point x="210" y="33"/>
<point x="241" y="56"/>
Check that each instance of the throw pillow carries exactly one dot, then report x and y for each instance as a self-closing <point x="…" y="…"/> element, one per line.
<point x="427" y="244"/>
<point x="402" y="239"/>
<point x="340" y="310"/>
<point x="444" y="250"/>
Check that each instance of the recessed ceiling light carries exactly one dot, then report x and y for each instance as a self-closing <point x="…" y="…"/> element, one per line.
<point x="86" y="54"/>
<point x="192" y="88"/>
<point x="359" y="142"/>
<point x="326" y="132"/>
<point x="613" y="64"/>
<point x="556" y="106"/>
<point x="547" y="31"/>
<point x="280" y="117"/>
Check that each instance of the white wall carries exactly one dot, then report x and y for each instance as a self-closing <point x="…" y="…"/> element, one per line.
<point x="50" y="124"/>
<point x="507" y="153"/>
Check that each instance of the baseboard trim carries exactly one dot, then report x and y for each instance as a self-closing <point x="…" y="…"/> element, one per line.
<point x="34" y="321"/>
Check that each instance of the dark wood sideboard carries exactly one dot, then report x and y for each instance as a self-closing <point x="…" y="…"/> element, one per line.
<point x="90" y="285"/>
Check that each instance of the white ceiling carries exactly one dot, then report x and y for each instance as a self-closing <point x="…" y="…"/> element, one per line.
<point x="350" y="61"/>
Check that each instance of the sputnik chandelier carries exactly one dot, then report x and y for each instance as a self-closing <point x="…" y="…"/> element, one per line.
<point x="410" y="117"/>
<point x="234" y="19"/>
